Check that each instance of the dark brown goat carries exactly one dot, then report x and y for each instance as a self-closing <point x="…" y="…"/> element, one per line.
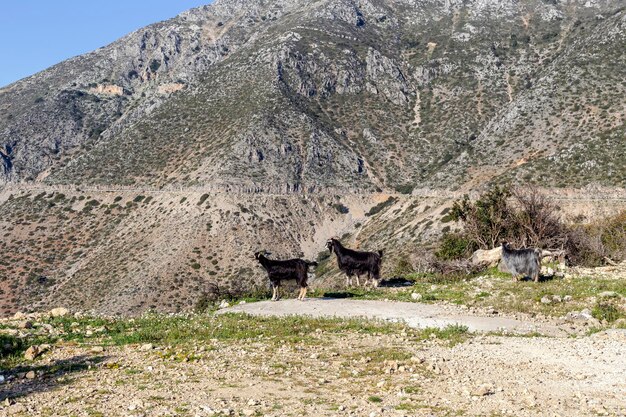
<point x="278" y="271"/>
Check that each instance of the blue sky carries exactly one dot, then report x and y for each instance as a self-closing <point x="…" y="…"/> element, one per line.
<point x="35" y="34"/>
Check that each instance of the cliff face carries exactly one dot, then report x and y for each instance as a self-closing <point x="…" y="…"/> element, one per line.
<point x="292" y="95"/>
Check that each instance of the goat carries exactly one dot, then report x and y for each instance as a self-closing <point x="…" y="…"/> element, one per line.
<point x="524" y="262"/>
<point x="358" y="263"/>
<point x="278" y="271"/>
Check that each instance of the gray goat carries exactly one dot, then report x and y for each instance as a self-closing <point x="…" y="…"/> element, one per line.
<point x="522" y="262"/>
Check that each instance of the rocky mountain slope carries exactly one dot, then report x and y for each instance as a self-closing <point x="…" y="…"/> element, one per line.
<point x="145" y="173"/>
<point x="292" y="95"/>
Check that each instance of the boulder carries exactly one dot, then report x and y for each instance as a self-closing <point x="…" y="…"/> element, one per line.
<point x="59" y="312"/>
<point x="487" y="257"/>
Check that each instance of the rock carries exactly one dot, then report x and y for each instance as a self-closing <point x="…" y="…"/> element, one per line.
<point x="224" y="304"/>
<point x="252" y="402"/>
<point x="31" y="353"/>
<point x="248" y="412"/>
<point x="17" y="409"/>
<point x="608" y="294"/>
<point x="59" y="312"/>
<point x="557" y="298"/>
<point x="483" y="390"/>
<point x="547" y="271"/>
<point x="19" y="316"/>
<point x="30" y="375"/>
<point x="97" y="349"/>
<point x="416" y="296"/>
<point x="2" y="379"/>
<point x="567" y="298"/>
<point x="546" y="299"/>
<point x="25" y="324"/>
<point x="487" y="257"/>
<point x="208" y="410"/>
<point x="146" y="347"/>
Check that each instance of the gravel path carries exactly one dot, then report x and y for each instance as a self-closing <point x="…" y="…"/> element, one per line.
<point x="416" y="315"/>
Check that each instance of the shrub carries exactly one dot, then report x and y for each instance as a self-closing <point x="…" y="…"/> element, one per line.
<point x="607" y="311"/>
<point x="455" y="246"/>
<point x="341" y="208"/>
<point x="522" y="216"/>
<point x="594" y="243"/>
<point x="381" y="206"/>
<point x="405" y="188"/>
<point x="403" y="267"/>
<point x="203" y="198"/>
<point x="486" y="220"/>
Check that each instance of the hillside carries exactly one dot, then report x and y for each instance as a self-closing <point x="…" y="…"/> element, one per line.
<point x="144" y="174"/>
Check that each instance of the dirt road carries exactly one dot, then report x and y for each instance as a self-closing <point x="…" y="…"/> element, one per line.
<point x="415" y="315"/>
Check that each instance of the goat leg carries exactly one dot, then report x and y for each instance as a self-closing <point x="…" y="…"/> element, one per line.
<point x="358" y="283"/>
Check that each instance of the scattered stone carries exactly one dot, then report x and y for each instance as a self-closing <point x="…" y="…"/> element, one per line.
<point x="208" y="410"/>
<point x="25" y="324"/>
<point x="19" y="316"/>
<point x="483" y="390"/>
<point x="146" y="347"/>
<point x="31" y="353"/>
<point x="557" y="298"/>
<point x="567" y="298"/>
<point x="608" y="294"/>
<point x="59" y="312"/>
<point x="546" y="299"/>
<point x="2" y="379"/>
<point x="416" y="296"/>
<point x="30" y="375"/>
<point x="97" y="349"/>
<point x="224" y="304"/>
<point x="248" y="412"/>
<point x="252" y="402"/>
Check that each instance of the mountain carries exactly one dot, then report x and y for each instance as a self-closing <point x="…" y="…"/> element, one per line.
<point x="142" y="174"/>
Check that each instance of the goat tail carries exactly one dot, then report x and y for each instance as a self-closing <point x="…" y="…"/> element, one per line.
<point x="311" y="263"/>
<point x="380" y="253"/>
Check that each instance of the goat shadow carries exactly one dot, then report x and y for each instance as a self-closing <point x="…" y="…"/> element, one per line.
<point x="542" y="278"/>
<point x="47" y="375"/>
<point x="386" y="283"/>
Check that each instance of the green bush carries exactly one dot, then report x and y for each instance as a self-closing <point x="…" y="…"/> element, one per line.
<point x="607" y="311"/>
<point x="381" y="206"/>
<point x="403" y="268"/>
<point x="455" y="246"/>
<point x="341" y="208"/>
<point x="405" y="188"/>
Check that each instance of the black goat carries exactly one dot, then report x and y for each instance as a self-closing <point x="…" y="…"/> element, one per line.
<point x="278" y="271"/>
<point x="357" y="263"/>
<point x="522" y="262"/>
